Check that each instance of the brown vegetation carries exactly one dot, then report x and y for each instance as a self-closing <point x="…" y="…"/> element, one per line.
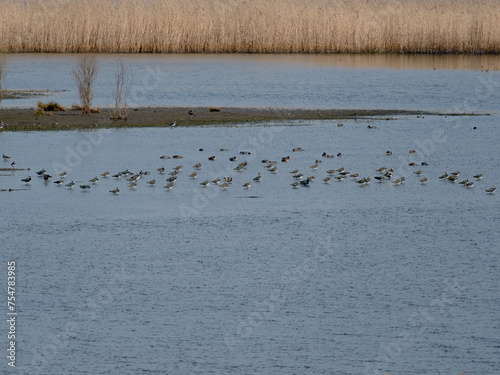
<point x="256" y="26"/>
<point x="46" y="109"/>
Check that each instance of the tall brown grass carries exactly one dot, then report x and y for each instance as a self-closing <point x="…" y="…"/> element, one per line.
<point x="255" y="26"/>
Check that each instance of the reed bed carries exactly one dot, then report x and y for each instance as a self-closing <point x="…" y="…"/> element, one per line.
<point x="251" y="26"/>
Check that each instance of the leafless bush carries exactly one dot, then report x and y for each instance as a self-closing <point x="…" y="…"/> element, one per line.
<point x="121" y="91"/>
<point x="85" y="74"/>
<point x="3" y="72"/>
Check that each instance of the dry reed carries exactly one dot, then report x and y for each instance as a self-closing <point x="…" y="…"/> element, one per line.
<point x="51" y="106"/>
<point x="46" y="109"/>
<point x="254" y="26"/>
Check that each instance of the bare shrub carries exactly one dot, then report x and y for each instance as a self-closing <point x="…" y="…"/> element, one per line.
<point x="85" y="74"/>
<point x="121" y="91"/>
<point x="3" y="72"/>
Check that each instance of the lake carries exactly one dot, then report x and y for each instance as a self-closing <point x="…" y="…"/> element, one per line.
<point x="329" y="278"/>
<point x="460" y="83"/>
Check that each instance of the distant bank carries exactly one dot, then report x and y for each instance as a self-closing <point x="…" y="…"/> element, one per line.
<point x="250" y="26"/>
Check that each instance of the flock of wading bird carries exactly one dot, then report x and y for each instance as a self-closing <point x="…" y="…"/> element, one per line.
<point x="299" y="179"/>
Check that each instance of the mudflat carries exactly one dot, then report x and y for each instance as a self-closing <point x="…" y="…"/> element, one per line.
<point x="22" y="119"/>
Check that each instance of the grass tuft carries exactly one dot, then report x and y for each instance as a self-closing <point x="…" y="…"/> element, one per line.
<point x="51" y="106"/>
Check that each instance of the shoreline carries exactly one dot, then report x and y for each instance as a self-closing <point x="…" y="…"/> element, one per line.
<point x="25" y="119"/>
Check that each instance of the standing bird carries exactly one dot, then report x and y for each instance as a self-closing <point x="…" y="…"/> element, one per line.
<point x="13" y="164"/>
<point x="258" y="178"/>
<point x="191" y="114"/>
<point x="491" y="190"/>
<point x="298" y="176"/>
<point x="5" y="157"/>
<point x="85" y="187"/>
<point x="152" y="182"/>
<point x="305" y="182"/>
<point x="26" y="180"/>
<point x="115" y="191"/>
<point x="94" y="180"/>
<point x="70" y="184"/>
<point x="105" y="174"/>
<point x="247" y="185"/>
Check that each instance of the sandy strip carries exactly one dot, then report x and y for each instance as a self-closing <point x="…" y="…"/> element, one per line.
<point x="18" y="119"/>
